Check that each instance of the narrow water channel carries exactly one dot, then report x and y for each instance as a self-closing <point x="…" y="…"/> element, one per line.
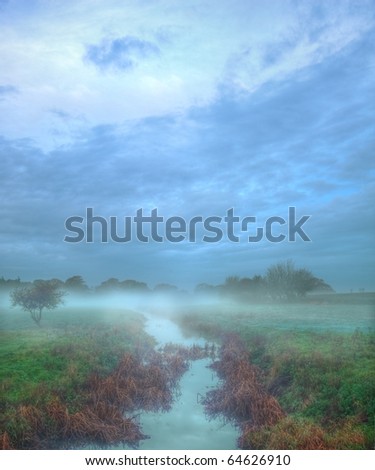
<point x="185" y="426"/>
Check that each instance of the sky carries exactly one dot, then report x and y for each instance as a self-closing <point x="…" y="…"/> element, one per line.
<point x="191" y="108"/>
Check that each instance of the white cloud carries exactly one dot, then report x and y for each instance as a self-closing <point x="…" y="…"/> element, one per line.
<point x="201" y="46"/>
<point x="242" y="106"/>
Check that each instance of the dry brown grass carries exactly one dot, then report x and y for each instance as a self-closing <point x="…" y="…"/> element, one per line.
<point x="264" y="425"/>
<point x="104" y="424"/>
<point x="242" y="397"/>
<point x="145" y="382"/>
<point x="5" y="443"/>
<point x="301" y="434"/>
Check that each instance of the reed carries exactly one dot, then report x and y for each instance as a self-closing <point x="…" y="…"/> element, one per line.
<point x="5" y="443"/>
<point x="146" y="381"/>
<point x="241" y="398"/>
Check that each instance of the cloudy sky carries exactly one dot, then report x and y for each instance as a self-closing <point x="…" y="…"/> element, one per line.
<point x="192" y="107"/>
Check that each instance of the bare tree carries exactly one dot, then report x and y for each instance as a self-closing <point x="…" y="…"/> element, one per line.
<point x="36" y="297"/>
<point x="284" y="281"/>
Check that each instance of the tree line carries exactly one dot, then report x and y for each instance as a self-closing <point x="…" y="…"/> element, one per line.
<point x="77" y="284"/>
<point x="282" y="282"/>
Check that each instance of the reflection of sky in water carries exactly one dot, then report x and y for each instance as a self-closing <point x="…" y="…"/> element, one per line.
<point x="185" y="426"/>
<point x="165" y="331"/>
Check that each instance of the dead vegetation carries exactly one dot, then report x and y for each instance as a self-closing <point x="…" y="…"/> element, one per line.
<point x="302" y="434"/>
<point x="5" y="442"/>
<point x="242" y="398"/>
<point x="108" y="414"/>
<point x="101" y="423"/>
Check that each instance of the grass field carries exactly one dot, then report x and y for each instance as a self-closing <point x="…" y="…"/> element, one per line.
<point x="317" y="359"/>
<point x="46" y="370"/>
<point x="57" y="357"/>
<point x="66" y="382"/>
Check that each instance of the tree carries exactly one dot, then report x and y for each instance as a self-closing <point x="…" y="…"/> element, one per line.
<point x="245" y="288"/>
<point x="286" y="282"/>
<point x="109" y="285"/>
<point x="76" y="284"/>
<point x="36" y="297"/>
<point x="205" y="288"/>
<point x="131" y="285"/>
<point x="305" y="282"/>
<point x="6" y="284"/>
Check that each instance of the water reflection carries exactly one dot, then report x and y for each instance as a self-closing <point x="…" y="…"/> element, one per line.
<point x="185" y="426"/>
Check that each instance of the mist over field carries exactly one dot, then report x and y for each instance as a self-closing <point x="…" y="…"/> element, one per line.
<point x="320" y="334"/>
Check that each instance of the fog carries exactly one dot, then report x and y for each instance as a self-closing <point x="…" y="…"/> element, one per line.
<point x="341" y="312"/>
<point x="185" y="426"/>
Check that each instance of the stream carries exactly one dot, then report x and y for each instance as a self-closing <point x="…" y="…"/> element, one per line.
<point x="185" y="426"/>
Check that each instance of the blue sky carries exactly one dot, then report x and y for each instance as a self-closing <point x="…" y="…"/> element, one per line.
<point x="193" y="108"/>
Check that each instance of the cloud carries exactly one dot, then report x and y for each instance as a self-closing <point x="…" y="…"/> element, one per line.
<point x="6" y="90"/>
<point x="183" y="135"/>
<point x="317" y="34"/>
<point x="178" y="53"/>
<point x="305" y="142"/>
<point x="121" y="53"/>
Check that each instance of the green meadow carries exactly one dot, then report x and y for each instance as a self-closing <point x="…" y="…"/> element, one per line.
<point x="317" y="358"/>
<point x="51" y="364"/>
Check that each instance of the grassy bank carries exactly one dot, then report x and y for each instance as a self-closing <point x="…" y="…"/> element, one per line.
<point x="45" y="373"/>
<point x="83" y="378"/>
<point x="322" y="378"/>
